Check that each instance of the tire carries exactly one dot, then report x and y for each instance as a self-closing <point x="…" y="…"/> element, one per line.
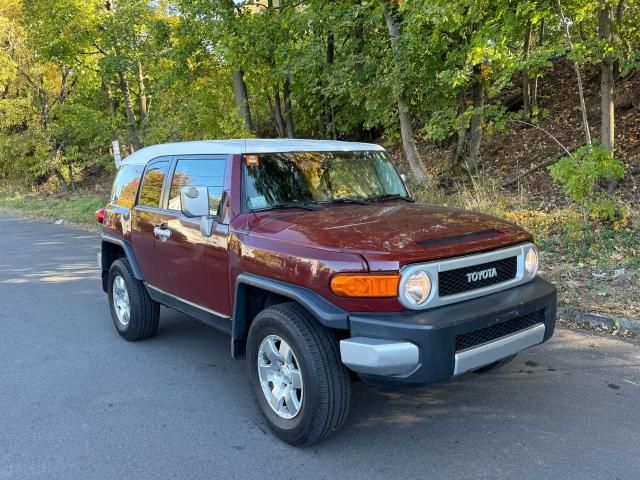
<point x="324" y="399"/>
<point x="143" y="314"/>
<point x="496" y="364"/>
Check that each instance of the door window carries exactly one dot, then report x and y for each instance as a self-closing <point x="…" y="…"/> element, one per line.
<point x="125" y="186"/>
<point x="151" y="190"/>
<point x="202" y="173"/>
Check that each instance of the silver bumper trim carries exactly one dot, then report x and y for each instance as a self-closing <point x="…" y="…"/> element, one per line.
<point x="379" y="357"/>
<point x="490" y="352"/>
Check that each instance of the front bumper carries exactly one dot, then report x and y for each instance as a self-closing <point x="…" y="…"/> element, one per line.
<point x="420" y="347"/>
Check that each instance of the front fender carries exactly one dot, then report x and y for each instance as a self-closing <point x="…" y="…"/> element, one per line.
<point x="324" y="311"/>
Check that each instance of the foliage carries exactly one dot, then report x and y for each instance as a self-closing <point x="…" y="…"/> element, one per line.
<point x="77" y="74"/>
<point x="579" y="175"/>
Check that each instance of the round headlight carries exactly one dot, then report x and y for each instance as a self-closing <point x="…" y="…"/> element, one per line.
<point x="417" y="287"/>
<point x="531" y="262"/>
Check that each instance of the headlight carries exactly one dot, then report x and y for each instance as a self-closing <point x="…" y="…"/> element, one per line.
<point x="417" y="287"/>
<point x="531" y="262"/>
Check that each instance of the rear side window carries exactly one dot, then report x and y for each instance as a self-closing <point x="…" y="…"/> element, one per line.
<point x="125" y="186"/>
<point x="151" y="190"/>
<point x="201" y="173"/>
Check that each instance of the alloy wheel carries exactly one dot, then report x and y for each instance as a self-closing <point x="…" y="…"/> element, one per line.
<point x="280" y="377"/>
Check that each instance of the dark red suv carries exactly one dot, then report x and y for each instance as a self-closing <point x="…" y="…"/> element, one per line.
<point x="315" y="259"/>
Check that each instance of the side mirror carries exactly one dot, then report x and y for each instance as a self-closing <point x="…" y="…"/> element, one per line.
<point x="195" y="203"/>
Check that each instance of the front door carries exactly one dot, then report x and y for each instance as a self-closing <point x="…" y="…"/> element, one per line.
<point x="193" y="268"/>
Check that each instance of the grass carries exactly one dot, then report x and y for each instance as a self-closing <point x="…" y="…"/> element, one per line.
<point x="75" y="208"/>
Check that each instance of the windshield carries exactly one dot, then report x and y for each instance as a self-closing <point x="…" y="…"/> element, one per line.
<point x="315" y="177"/>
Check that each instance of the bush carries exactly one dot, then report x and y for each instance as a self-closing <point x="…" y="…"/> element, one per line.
<point x="579" y="176"/>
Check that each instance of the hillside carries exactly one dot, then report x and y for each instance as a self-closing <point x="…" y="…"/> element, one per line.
<point x="507" y="156"/>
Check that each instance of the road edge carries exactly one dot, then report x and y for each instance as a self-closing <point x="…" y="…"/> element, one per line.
<point x="599" y="320"/>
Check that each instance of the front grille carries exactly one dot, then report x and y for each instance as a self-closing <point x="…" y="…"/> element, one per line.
<point x="455" y="281"/>
<point x="488" y="334"/>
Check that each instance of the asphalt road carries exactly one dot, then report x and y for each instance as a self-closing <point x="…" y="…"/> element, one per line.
<point x="77" y="401"/>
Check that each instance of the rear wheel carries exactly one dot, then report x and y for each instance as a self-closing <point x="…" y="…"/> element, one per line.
<point x="302" y="388"/>
<point x="134" y="314"/>
<point x="496" y="364"/>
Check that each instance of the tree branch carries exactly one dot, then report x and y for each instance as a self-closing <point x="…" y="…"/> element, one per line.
<point x="560" y="144"/>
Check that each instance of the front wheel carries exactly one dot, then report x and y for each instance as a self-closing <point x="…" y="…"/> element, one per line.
<point x="302" y="388"/>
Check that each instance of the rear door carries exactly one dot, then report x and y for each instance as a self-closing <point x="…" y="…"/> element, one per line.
<point x="194" y="267"/>
<point x="147" y="216"/>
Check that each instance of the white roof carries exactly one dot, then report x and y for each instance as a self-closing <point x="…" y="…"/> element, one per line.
<point x="249" y="145"/>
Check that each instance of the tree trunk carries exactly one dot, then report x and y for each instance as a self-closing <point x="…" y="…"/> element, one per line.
<point x="619" y="12"/>
<point x="330" y="127"/>
<point x="331" y="49"/>
<point x="142" y="96"/>
<point x="406" y="127"/>
<point x="131" y="116"/>
<point x="358" y="33"/>
<point x="272" y="111"/>
<point x="45" y="110"/>
<point x="61" y="181"/>
<point x="72" y="181"/>
<point x="462" y="127"/>
<point x="242" y="98"/>
<point x="54" y="162"/>
<point x="616" y="36"/>
<point x="288" y="116"/>
<point x="44" y="105"/>
<point x="534" y="87"/>
<point x="277" y="108"/>
<point x="475" y="135"/>
<point x="110" y="100"/>
<point x="606" y="83"/>
<point x="409" y="140"/>
<point x="526" y="99"/>
<point x="322" y="130"/>
<point x="576" y="67"/>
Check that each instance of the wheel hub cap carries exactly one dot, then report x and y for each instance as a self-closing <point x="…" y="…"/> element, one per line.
<point x="280" y="377"/>
<point x="121" y="300"/>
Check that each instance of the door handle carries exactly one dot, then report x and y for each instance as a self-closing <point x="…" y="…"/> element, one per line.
<point x="161" y="233"/>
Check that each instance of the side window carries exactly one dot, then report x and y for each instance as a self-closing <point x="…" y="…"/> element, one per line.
<point x="125" y="186"/>
<point x="201" y="173"/>
<point x="151" y="190"/>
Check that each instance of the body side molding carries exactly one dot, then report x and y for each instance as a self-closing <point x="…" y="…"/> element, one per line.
<point x="197" y="312"/>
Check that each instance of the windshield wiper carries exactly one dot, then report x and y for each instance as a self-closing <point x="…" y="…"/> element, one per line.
<point x="276" y="206"/>
<point x="389" y="196"/>
<point x="360" y="201"/>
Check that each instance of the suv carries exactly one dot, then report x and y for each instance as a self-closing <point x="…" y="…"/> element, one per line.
<point x="315" y="259"/>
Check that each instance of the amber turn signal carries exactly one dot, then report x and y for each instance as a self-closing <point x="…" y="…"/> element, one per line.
<point x="365" y="285"/>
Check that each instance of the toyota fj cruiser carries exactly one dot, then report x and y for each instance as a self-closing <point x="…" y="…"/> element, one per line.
<point x="315" y="259"/>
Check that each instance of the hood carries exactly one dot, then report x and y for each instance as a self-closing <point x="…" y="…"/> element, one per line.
<point x="390" y="234"/>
